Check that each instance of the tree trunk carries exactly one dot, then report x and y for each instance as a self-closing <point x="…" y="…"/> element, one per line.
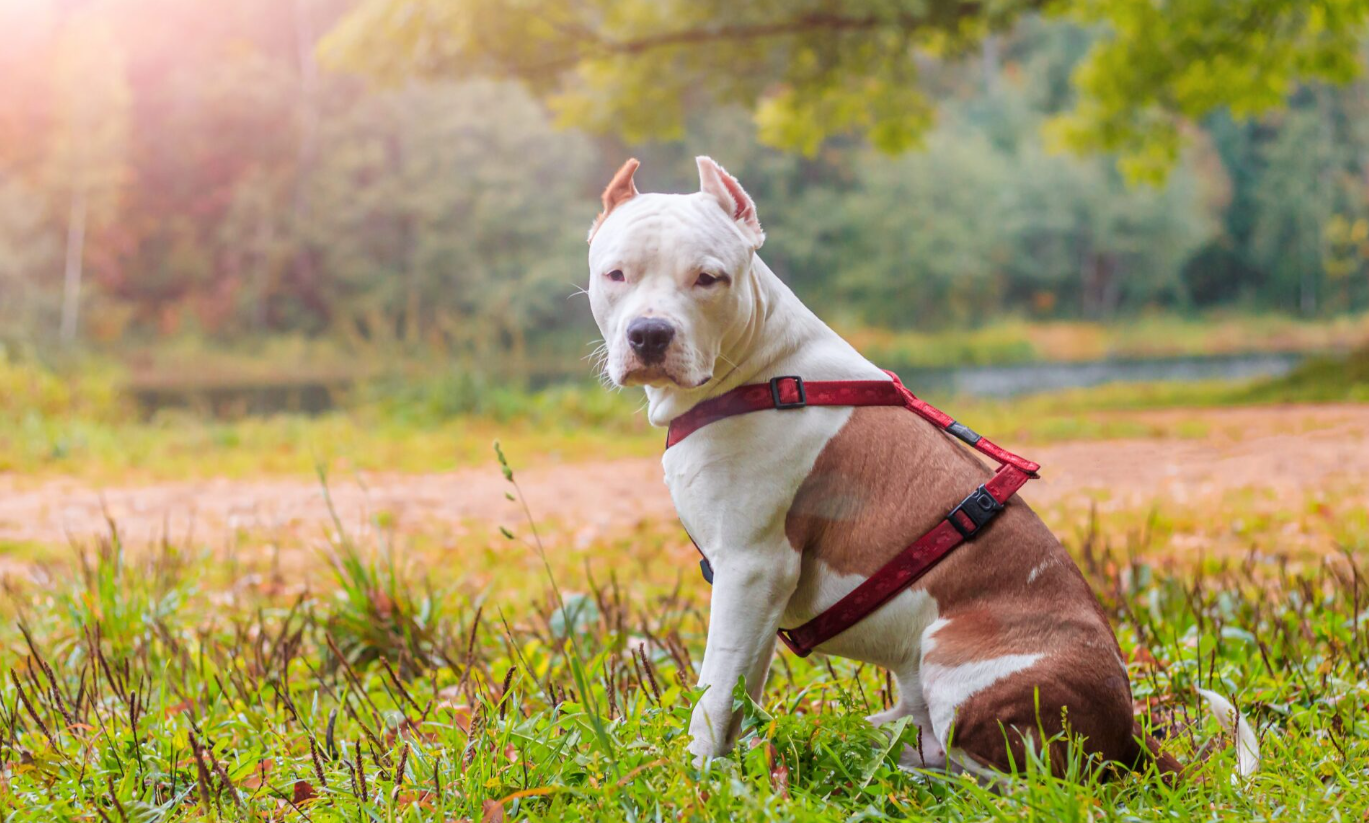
<point x="1111" y="293"/>
<point x="306" y="152"/>
<point x="1307" y="295"/>
<point x="988" y="58"/>
<point x="1088" y="291"/>
<point x="71" y="282"/>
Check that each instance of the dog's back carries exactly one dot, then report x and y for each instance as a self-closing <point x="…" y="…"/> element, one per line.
<point x="1016" y="627"/>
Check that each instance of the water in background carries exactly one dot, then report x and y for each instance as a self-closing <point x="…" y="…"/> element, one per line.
<point x="305" y="396"/>
<point x="1027" y="378"/>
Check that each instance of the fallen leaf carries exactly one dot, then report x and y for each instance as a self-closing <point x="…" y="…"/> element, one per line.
<point x="421" y="799"/>
<point x="779" y="772"/>
<point x="183" y="706"/>
<point x="258" y="777"/>
<point x="494" y="812"/>
<point x="304" y="791"/>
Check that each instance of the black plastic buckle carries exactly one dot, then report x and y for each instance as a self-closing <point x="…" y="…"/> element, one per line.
<point x="980" y="507"/>
<point x="775" y="392"/>
<point x="964" y="432"/>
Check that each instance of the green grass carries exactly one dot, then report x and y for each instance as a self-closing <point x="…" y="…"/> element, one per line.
<point x="167" y="684"/>
<point x="1016" y="341"/>
<point x="190" y="359"/>
<point x="51" y="426"/>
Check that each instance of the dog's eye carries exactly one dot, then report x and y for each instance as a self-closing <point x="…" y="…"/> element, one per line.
<point x="616" y="276"/>
<point x="705" y="279"/>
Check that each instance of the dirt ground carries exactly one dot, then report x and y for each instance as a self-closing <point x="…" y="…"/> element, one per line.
<point x="1281" y="453"/>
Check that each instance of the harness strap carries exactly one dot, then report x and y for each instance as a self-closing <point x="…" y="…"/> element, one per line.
<point x="964" y="521"/>
<point x="791" y="392"/>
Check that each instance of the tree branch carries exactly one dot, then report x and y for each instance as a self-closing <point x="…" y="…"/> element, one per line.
<point x="815" y="21"/>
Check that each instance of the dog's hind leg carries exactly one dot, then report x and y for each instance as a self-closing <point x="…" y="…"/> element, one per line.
<point x="927" y="753"/>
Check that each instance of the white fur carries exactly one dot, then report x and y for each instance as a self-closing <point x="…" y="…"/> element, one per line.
<point x="733" y="481"/>
<point x="946" y="688"/>
<point x="1037" y="569"/>
<point x="1247" y="744"/>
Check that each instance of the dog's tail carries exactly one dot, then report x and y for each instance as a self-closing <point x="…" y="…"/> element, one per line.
<point x="1232" y="723"/>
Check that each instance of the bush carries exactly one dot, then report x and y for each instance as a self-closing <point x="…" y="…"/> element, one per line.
<point x="29" y="390"/>
<point x="1320" y="380"/>
<point x="431" y="400"/>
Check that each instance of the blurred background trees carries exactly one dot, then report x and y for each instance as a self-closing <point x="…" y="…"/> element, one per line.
<point x="171" y="171"/>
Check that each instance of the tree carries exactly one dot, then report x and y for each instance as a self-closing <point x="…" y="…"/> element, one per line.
<point x="441" y="213"/>
<point x="90" y="133"/>
<point x="28" y="255"/>
<point x="811" y="69"/>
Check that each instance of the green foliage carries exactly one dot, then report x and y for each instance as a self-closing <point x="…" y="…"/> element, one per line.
<point x="379" y="616"/>
<point x="425" y="238"/>
<point x="444" y="214"/>
<point x="810" y="71"/>
<point x="28" y="247"/>
<point x="430" y="401"/>
<point x="1321" y="380"/>
<point x="973" y="228"/>
<point x="32" y="392"/>
<point x="1162" y="65"/>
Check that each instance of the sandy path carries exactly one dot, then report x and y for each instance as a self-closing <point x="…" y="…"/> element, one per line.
<point x="1282" y="451"/>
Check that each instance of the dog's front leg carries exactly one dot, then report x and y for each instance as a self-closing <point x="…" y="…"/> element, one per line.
<point x="750" y="591"/>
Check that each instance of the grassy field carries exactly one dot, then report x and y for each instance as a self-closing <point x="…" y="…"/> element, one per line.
<point x="1008" y="341"/>
<point x="80" y="426"/>
<point x="383" y="682"/>
<point x="380" y="673"/>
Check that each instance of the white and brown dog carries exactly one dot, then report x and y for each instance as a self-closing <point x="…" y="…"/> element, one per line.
<point x="793" y="512"/>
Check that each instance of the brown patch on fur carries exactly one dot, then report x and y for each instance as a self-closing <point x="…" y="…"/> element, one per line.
<point x="619" y="190"/>
<point x="886" y="479"/>
<point x="1079" y="698"/>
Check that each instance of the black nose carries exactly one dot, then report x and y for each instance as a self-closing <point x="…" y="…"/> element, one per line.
<point x="649" y="338"/>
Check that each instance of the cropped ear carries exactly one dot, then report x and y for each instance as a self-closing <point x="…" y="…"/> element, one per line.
<point x="714" y="180"/>
<point x="619" y="190"/>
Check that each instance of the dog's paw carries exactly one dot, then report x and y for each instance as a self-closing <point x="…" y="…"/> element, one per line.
<point x="702" y="751"/>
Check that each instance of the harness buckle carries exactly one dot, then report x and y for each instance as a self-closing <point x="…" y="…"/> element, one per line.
<point x="979" y="508"/>
<point x="775" y="392"/>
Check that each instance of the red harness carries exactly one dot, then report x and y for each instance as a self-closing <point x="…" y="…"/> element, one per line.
<point x="964" y="521"/>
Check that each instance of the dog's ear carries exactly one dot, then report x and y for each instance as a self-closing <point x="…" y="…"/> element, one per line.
<point x="619" y="190"/>
<point x="714" y="180"/>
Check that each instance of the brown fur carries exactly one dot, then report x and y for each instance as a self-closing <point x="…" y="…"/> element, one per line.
<point x="886" y="479"/>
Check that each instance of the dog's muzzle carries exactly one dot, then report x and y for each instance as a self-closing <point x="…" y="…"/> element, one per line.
<point x="649" y="337"/>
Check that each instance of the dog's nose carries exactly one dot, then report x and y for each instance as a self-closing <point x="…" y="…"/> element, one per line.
<point x="649" y="338"/>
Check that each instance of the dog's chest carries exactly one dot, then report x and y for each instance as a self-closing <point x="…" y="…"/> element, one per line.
<point x="845" y="488"/>
<point x="733" y="481"/>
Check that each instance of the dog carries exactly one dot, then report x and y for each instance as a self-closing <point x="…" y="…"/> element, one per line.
<point x="998" y="650"/>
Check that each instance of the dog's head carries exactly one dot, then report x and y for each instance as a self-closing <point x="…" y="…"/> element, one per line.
<point x="670" y="277"/>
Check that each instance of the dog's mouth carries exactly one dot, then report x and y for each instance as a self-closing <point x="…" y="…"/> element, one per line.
<point x="659" y="377"/>
<point x="655" y="376"/>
